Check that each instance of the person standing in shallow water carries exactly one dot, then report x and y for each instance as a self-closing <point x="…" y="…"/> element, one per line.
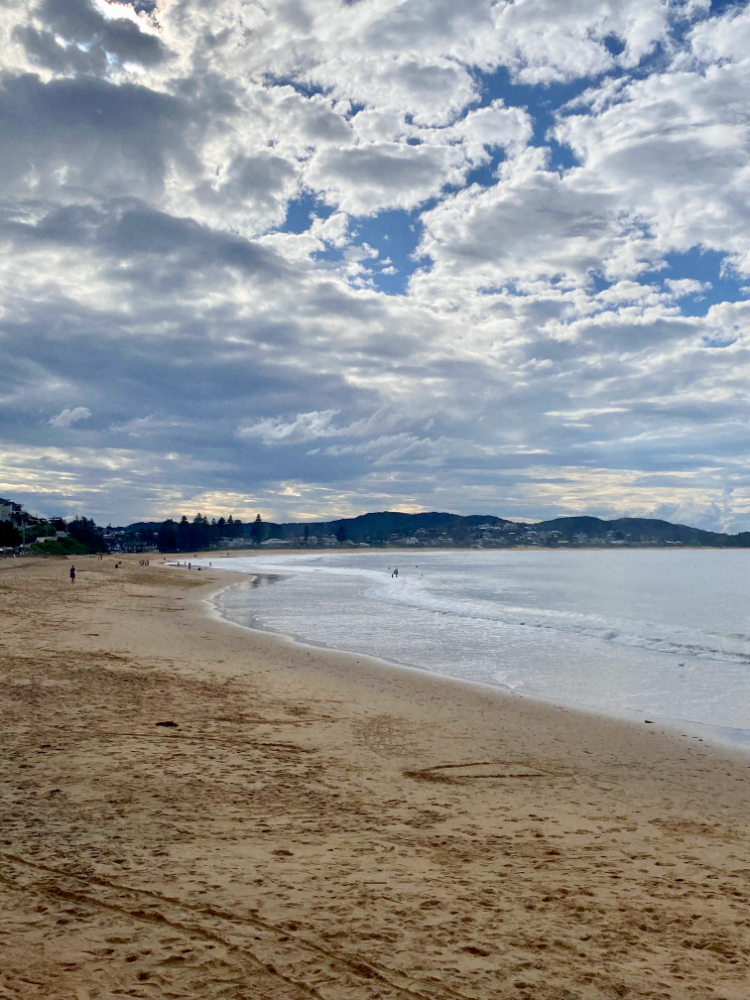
<point x="72" y="574"/>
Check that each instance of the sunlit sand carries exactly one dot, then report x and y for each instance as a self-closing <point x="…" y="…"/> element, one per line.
<point x="316" y="826"/>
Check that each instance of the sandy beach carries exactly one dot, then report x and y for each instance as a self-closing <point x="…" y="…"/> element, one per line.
<point x="311" y="824"/>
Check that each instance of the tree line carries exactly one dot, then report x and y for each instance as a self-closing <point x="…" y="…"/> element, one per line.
<point x="200" y="533"/>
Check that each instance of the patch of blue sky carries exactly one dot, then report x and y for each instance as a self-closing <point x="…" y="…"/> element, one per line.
<point x="486" y="175"/>
<point x="543" y="104"/>
<point x="299" y="213"/>
<point x="598" y="282"/>
<point x="394" y="234"/>
<point x="546" y="102"/>
<point x="305" y="89"/>
<point x="705" y="266"/>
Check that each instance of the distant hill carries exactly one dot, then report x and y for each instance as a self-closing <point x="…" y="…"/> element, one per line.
<point x="440" y="529"/>
<point x="380" y="527"/>
<point x="632" y="529"/>
<point x="389" y="526"/>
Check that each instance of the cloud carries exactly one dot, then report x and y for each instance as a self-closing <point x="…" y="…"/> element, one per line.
<point x="82" y="36"/>
<point x="307" y="258"/>
<point x="305" y="427"/>
<point x="369" y="178"/>
<point x="68" y="417"/>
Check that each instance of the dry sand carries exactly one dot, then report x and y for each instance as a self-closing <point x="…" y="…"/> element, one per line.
<point x="319" y="826"/>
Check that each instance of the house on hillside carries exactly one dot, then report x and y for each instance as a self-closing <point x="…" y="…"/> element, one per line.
<point x="14" y="512"/>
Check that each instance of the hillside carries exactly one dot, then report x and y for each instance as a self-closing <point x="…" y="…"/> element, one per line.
<point x="433" y="529"/>
<point x="632" y="529"/>
<point x="389" y="525"/>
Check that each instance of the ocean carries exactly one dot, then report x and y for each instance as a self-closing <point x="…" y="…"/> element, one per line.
<point x="637" y="634"/>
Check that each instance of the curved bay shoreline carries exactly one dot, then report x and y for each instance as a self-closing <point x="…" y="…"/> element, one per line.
<point x="307" y="827"/>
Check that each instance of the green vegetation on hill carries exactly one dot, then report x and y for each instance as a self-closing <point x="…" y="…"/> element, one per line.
<point x="427" y="529"/>
<point x="60" y="547"/>
<point x="54" y="536"/>
<point x="640" y="530"/>
<point x="388" y="525"/>
<point x="633" y="529"/>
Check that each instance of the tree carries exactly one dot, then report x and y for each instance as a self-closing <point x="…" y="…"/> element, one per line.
<point x="256" y="531"/>
<point x="167" y="537"/>
<point x="307" y="533"/>
<point x="341" y="533"/>
<point x="10" y="536"/>
<point x="201" y="533"/>
<point x="184" y="535"/>
<point x="85" y="531"/>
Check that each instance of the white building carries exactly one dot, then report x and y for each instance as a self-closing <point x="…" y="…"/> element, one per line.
<point x="6" y="509"/>
<point x="234" y="543"/>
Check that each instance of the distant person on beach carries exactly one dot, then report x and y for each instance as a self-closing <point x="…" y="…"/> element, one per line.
<point x="72" y="574"/>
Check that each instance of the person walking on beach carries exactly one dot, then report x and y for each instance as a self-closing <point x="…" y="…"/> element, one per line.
<point x="72" y="574"/>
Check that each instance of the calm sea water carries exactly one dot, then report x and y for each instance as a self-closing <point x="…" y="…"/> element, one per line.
<point x="636" y="633"/>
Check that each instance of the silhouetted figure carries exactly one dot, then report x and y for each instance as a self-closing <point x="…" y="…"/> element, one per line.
<point x="72" y="574"/>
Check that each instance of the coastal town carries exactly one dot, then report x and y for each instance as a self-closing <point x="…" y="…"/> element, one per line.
<point x="23" y="533"/>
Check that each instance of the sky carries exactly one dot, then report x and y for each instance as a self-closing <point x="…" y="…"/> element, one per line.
<point x="312" y="258"/>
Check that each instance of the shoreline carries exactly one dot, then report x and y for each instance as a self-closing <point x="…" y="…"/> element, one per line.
<point x="301" y="549"/>
<point x="308" y="826"/>
<point x="734" y="746"/>
<point x="732" y="739"/>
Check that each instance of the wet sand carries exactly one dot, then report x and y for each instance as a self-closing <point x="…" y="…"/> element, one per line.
<point x="316" y="825"/>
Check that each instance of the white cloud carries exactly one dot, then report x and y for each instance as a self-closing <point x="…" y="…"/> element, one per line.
<point x="68" y="417"/>
<point x="672" y="149"/>
<point x="365" y="179"/>
<point x="305" y="427"/>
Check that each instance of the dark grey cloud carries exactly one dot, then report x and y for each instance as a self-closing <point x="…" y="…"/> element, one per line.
<point x="130" y="231"/>
<point x="78" y="137"/>
<point x="75" y="37"/>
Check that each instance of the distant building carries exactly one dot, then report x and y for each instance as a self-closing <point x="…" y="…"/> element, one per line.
<point x="233" y="543"/>
<point x="8" y="510"/>
<point x="275" y="543"/>
<point x="54" y="537"/>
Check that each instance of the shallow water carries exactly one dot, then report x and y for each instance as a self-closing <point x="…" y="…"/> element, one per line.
<point x="636" y="633"/>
